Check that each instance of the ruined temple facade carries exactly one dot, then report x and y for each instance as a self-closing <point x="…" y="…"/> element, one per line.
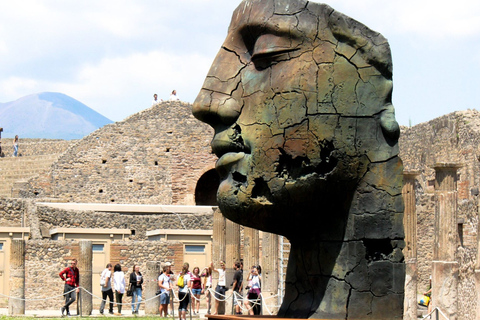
<point x="440" y="152"/>
<point x="162" y="156"/>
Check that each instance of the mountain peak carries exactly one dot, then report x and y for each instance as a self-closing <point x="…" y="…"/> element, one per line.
<point x="49" y="115"/>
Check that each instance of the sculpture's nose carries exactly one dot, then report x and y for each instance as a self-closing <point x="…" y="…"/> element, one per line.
<point x="218" y="103"/>
<point x="215" y="108"/>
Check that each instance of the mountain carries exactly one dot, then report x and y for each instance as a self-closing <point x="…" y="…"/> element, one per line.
<point x="49" y="115"/>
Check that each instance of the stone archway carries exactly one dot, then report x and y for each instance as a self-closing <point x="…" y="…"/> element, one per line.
<point x="206" y="189"/>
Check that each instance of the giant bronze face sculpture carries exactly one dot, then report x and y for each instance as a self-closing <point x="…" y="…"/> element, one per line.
<point x="300" y="99"/>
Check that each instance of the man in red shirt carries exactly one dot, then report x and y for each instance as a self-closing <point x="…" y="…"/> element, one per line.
<point x="71" y="276"/>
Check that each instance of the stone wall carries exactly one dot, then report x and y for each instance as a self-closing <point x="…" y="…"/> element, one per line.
<point x="11" y="212"/>
<point x="453" y="138"/>
<point x="46" y="258"/>
<point x="24" y="212"/>
<point x="50" y="218"/>
<point x="36" y="147"/>
<point x="155" y="157"/>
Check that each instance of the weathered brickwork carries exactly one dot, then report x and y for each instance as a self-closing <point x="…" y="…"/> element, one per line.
<point x="44" y="259"/>
<point x="50" y="218"/>
<point x="11" y="212"/>
<point x="453" y="138"/>
<point x="155" y="157"/>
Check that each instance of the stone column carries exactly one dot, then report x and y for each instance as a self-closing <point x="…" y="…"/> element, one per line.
<point x="232" y="253"/>
<point x="219" y="236"/>
<point x="410" y="250"/>
<point x="445" y="268"/>
<point x="269" y="272"/>
<point x="477" y="266"/>
<point x="17" y="278"/>
<point x="251" y="251"/>
<point x="85" y="259"/>
<point x="219" y="249"/>
<point x="150" y="286"/>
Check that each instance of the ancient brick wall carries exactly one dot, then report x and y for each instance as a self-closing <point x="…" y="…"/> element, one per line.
<point x="11" y="212"/>
<point x="155" y="156"/>
<point x="44" y="259"/>
<point x="453" y="138"/>
<point x="50" y="218"/>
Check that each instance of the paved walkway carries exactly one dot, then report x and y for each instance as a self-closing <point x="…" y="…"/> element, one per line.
<point x="95" y="313"/>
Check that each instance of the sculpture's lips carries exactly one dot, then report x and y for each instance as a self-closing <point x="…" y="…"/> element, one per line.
<point x="228" y="153"/>
<point x="228" y="159"/>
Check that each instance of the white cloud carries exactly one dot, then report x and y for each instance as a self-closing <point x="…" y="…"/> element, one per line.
<point x="18" y="87"/>
<point x="121" y="86"/>
<point x="428" y="18"/>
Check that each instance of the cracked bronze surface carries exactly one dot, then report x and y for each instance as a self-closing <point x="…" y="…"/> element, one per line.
<point x="299" y="96"/>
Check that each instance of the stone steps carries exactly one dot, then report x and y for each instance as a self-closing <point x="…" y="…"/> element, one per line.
<point x="21" y="169"/>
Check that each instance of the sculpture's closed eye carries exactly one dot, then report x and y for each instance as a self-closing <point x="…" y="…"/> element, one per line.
<point x="271" y="48"/>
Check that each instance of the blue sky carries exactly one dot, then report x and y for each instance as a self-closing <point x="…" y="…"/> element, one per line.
<point x="113" y="55"/>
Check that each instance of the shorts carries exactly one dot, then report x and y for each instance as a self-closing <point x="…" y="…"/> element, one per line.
<point x="197" y="291"/>
<point x="237" y="298"/>
<point x="207" y="291"/>
<point x="165" y="298"/>
<point x="220" y="292"/>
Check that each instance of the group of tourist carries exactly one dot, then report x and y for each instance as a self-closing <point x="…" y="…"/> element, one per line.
<point x="173" y="97"/>
<point x="198" y="282"/>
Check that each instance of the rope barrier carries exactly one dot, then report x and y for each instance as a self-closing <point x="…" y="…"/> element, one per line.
<point x="38" y="299"/>
<point x="213" y="293"/>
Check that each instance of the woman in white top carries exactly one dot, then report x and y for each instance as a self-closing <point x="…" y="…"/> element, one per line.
<point x="220" y="289"/>
<point x="253" y="302"/>
<point x="119" y="286"/>
<point x="164" y="283"/>
<point x="207" y="284"/>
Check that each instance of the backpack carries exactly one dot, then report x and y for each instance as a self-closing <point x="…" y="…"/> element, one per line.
<point x="180" y="281"/>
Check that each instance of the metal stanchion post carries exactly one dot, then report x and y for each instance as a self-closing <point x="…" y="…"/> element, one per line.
<point x="80" y="300"/>
<point x="233" y="302"/>
<point x="190" y="301"/>
<point x="261" y="304"/>
<point x="173" y="304"/>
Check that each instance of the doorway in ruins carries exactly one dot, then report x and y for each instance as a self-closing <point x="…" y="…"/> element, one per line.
<point x="206" y="189"/>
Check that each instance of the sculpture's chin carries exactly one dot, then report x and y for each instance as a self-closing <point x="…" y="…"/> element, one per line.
<point x="287" y="207"/>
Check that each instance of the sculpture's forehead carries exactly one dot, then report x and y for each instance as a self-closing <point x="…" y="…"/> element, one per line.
<point x="263" y="12"/>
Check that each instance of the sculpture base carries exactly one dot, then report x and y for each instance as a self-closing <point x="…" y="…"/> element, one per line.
<point x="248" y="317"/>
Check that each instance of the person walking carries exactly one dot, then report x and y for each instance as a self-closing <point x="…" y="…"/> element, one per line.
<point x="237" y="288"/>
<point x="71" y="277"/>
<point x="106" y="283"/>
<point x="164" y="283"/>
<point x="119" y="286"/>
<point x="15" y="146"/>
<point x="196" y="290"/>
<point x="136" y="281"/>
